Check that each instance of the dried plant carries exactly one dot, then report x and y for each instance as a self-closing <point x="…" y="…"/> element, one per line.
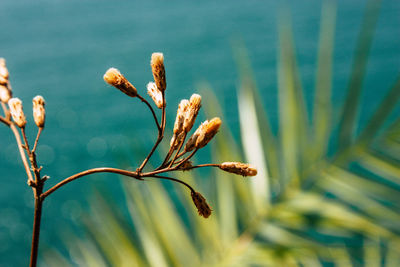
<point x="177" y="159"/>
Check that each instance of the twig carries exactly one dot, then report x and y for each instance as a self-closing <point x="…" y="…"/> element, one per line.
<point x="36" y="226"/>
<point x="37" y="139"/>
<point x="5" y="121"/>
<point x="22" y="152"/>
<point x="87" y="172"/>
<point x="151" y="109"/>
<point x="173" y="179"/>
<point x="177" y="152"/>
<point x="159" y="138"/>
<point x="203" y="165"/>
<point x="6" y="112"/>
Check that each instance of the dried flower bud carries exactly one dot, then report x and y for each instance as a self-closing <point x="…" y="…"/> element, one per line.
<point x="3" y="72"/>
<point x="116" y="79"/>
<point x="192" y="111"/>
<point x="5" y="94"/>
<point x="16" y="111"/>
<point x="180" y="115"/>
<point x="191" y="143"/>
<point x="39" y="113"/>
<point x="239" y="168"/>
<point x="156" y="94"/>
<point x="208" y="131"/>
<point x="158" y="69"/>
<point x="200" y="202"/>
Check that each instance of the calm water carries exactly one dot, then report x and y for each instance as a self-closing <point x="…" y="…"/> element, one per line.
<point x="60" y="49"/>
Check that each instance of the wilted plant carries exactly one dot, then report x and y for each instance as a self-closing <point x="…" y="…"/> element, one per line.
<point x="175" y="160"/>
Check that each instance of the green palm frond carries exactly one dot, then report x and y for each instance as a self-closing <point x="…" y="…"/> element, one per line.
<point x="306" y="208"/>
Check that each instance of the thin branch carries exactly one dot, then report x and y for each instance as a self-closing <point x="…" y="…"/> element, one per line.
<point x="6" y="112"/>
<point x="163" y="116"/>
<point x="151" y="109"/>
<point x="203" y="165"/>
<point x="159" y="138"/>
<point x="5" y="121"/>
<point x="187" y="158"/>
<point x="149" y="155"/>
<point x="26" y="141"/>
<point x="177" y="152"/>
<point x="173" y="179"/>
<point x="175" y="168"/>
<point x="87" y="172"/>
<point x="37" y="139"/>
<point x="21" y="152"/>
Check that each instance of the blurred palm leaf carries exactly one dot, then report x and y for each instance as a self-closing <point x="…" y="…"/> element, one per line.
<point x="341" y="210"/>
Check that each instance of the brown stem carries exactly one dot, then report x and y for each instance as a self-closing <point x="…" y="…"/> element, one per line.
<point x="203" y="165"/>
<point x="6" y="112"/>
<point x="37" y="139"/>
<point x="32" y="157"/>
<point x="159" y="138"/>
<point x="172" y="179"/>
<point x="25" y="140"/>
<point x="151" y="109"/>
<point x="187" y="158"/>
<point x="177" y="152"/>
<point x="21" y="152"/>
<point x="5" y="121"/>
<point x="175" y="168"/>
<point x="87" y="172"/>
<point x="36" y="225"/>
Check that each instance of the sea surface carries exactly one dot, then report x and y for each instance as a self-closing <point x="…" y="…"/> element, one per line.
<point x="60" y="50"/>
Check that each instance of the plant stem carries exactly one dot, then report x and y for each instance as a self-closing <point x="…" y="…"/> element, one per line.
<point x="160" y="131"/>
<point x="5" y="121"/>
<point x="87" y="172"/>
<point x="22" y="152"/>
<point x="151" y="109"/>
<point x="36" y="225"/>
<point x="37" y="139"/>
<point x="177" y="152"/>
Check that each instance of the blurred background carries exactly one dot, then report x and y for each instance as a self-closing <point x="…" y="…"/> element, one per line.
<point x="329" y="188"/>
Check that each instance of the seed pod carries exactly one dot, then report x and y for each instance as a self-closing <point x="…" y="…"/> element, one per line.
<point x="201" y="204"/>
<point x="116" y="79"/>
<point x="158" y="69"/>
<point x="16" y="111"/>
<point x="176" y="140"/>
<point x="208" y="131"/>
<point x="155" y="94"/>
<point x="239" y="168"/>
<point x="39" y="112"/>
<point x="192" y="111"/>
<point x="5" y="94"/>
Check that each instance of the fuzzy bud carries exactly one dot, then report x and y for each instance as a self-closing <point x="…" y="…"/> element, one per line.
<point x="201" y="204"/>
<point x="39" y="113"/>
<point x="158" y="69"/>
<point x="208" y="131"/>
<point x="239" y="168"/>
<point x="180" y="115"/>
<point x="192" y="111"/>
<point x="155" y="94"/>
<point x="115" y="78"/>
<point x="16" y="111"/>
<point x="5" y="94"/>
<point x="4" y="75"/>
<point x="191" y="143"/>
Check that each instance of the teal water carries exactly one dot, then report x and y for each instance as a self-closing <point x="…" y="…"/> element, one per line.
<point x="60" y="49"/>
